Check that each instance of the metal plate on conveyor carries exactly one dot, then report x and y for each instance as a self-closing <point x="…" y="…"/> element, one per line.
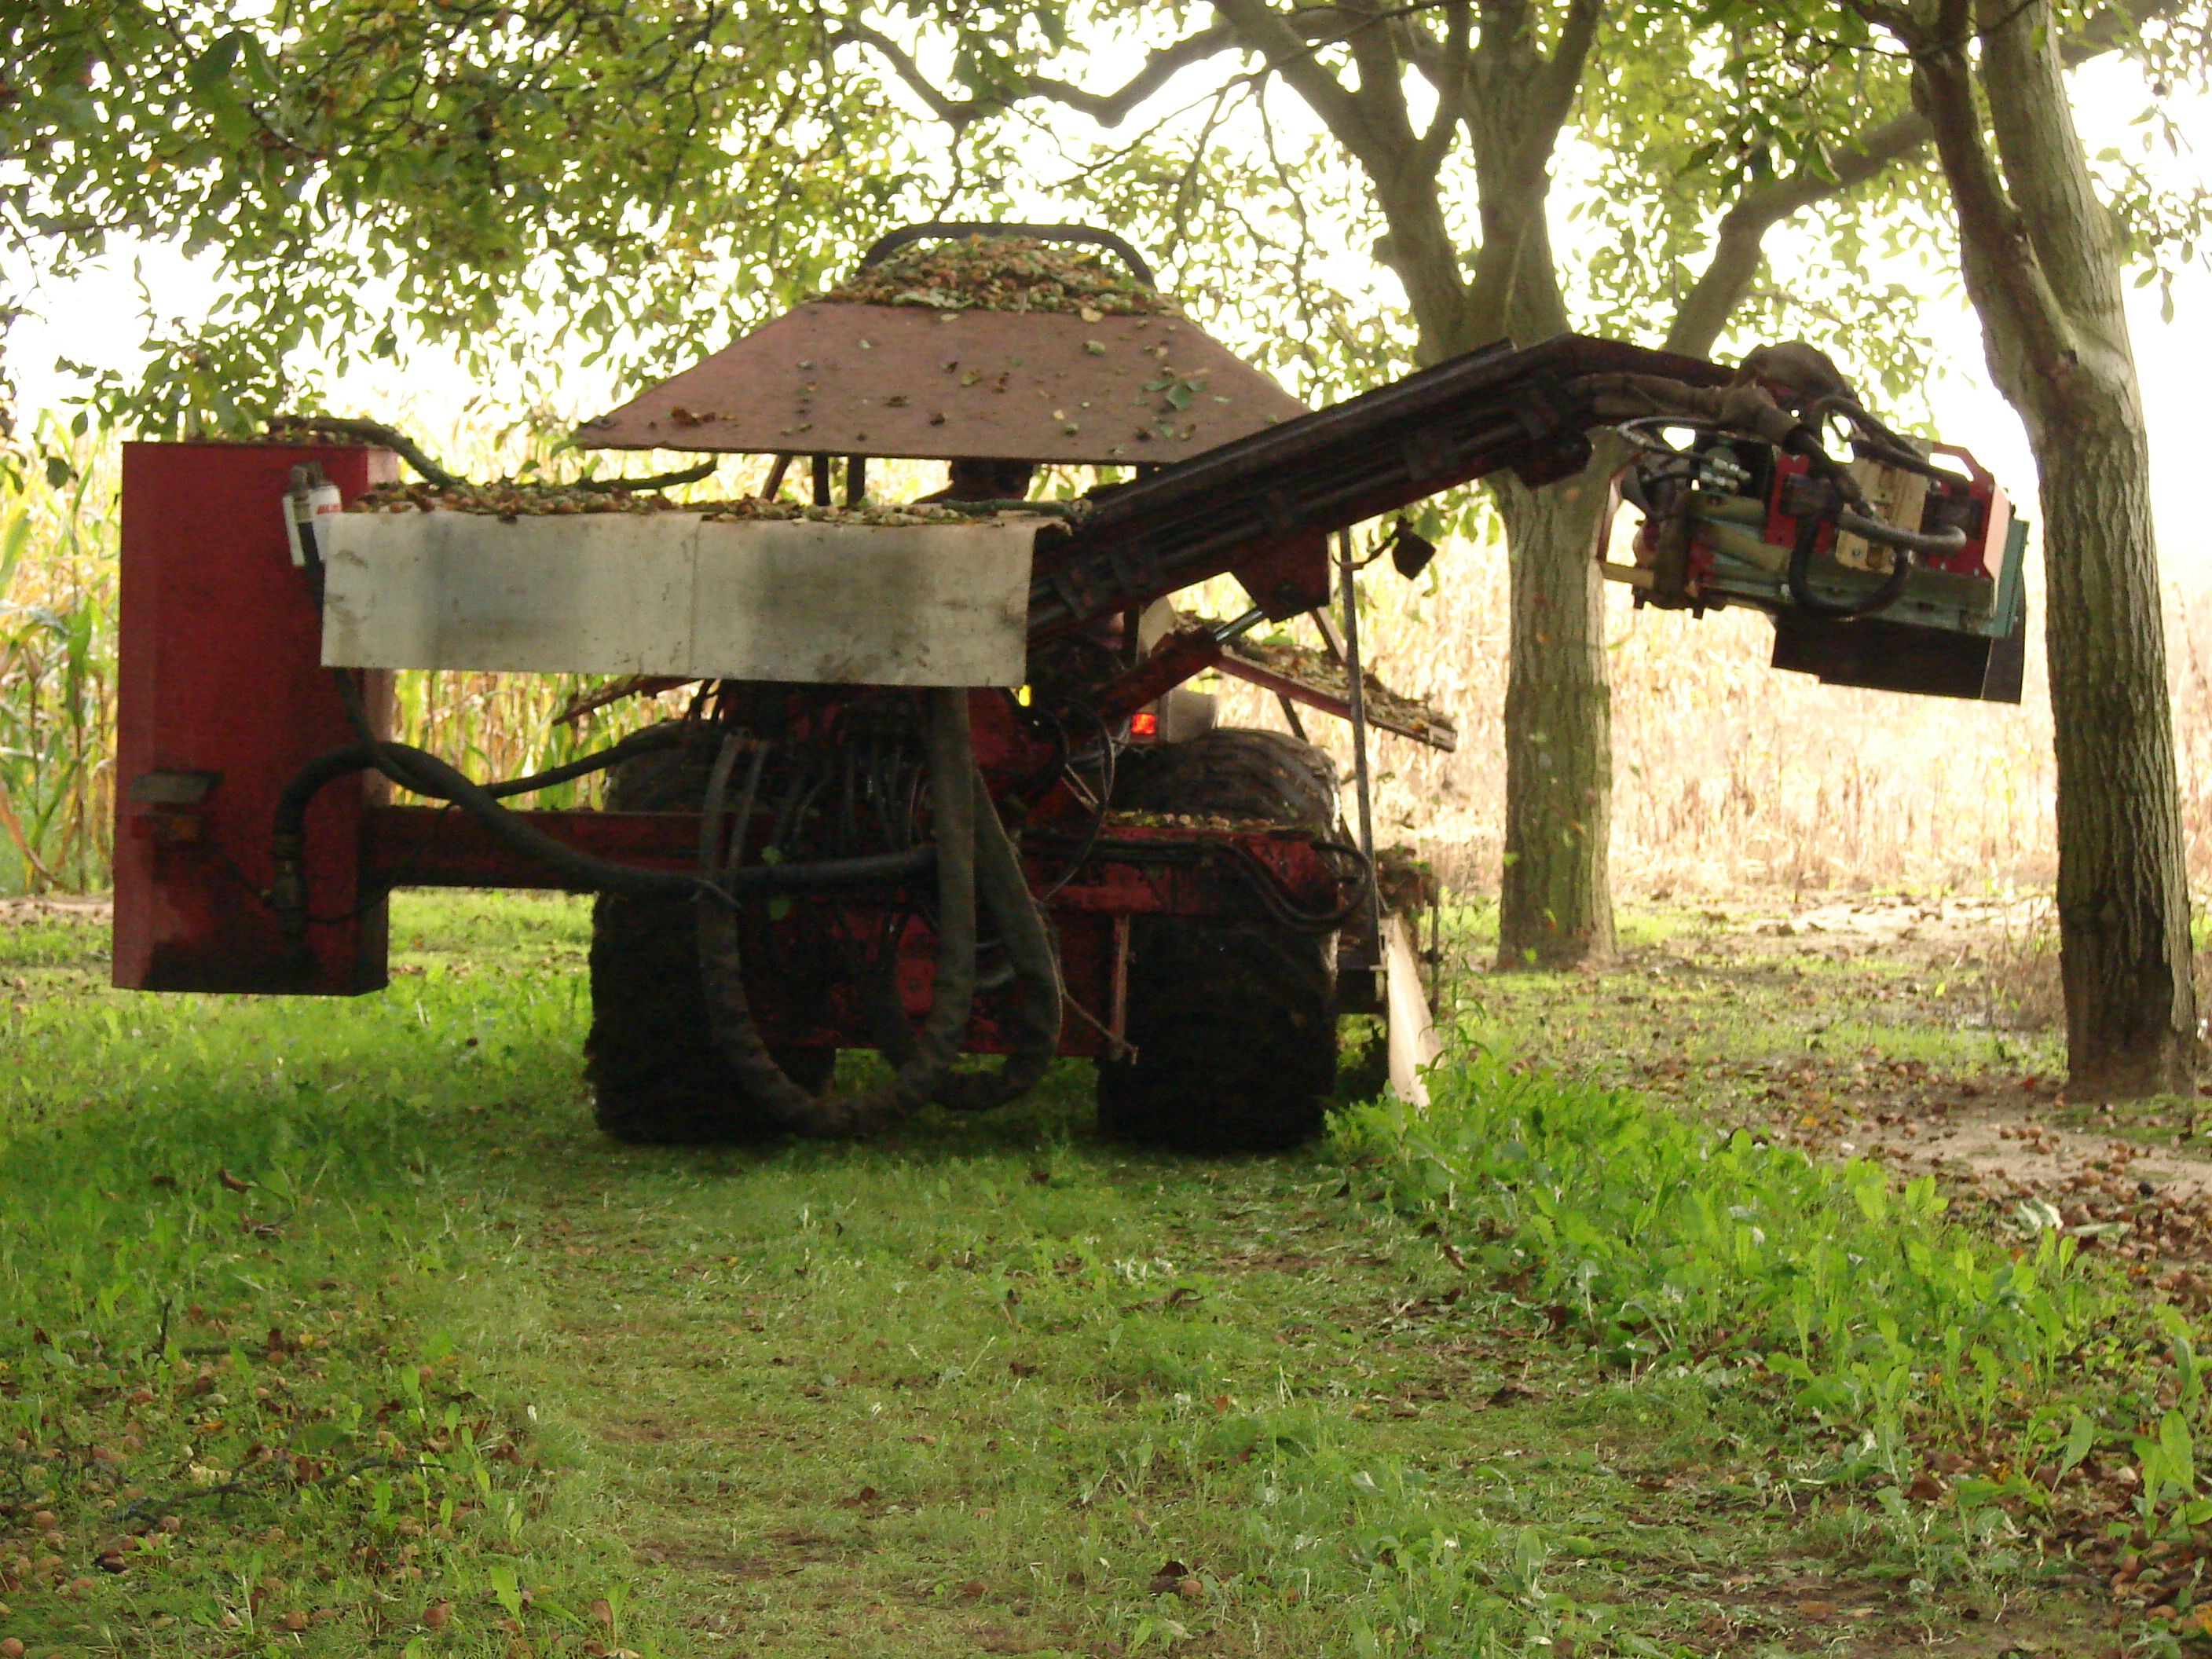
<point x="910" y="381"/>
<point x="675" y="593"/>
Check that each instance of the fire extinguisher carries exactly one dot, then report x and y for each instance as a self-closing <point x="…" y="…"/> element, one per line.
<point x="308" y="507"/>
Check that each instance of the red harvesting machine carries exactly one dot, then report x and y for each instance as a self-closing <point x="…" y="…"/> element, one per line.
<point x="941" y="789"/>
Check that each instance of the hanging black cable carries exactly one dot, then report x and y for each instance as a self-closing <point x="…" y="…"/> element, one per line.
<point x="1801" y="565"/>
<point x="919" y="1073"/>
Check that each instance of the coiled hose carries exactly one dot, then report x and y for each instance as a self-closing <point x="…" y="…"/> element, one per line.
<point x="923" y="1063"/>
<point x="427" y="774"/>
<point x="1038" y="997"/>
<point x="722" y="967"/>
<point x="1798" y="577"/>
<point x="974" y="855"/>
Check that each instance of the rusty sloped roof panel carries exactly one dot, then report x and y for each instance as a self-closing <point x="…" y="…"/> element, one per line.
<point x="908" y="381"/>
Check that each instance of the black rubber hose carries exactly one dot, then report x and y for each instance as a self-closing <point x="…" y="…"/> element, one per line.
<point x="288" y="885"/>
<point x="1801" y="565"/>
<point x="425" y="773"/>
<point x="710" y="811"/>
<point x="1033" y="961"/>
<point x="1940" y="543"/>
<point x="652" y="739"/>
<point x="736" y="1035"/>
<point x="1039" y="994"/>
<point x="522" y="837"/>
<point x="1108" y="765"/>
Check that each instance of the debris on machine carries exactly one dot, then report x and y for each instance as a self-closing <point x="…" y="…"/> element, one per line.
<point x="1004" y="273"/>
<point x="507" y="499"/>
<point x="527" y="501"/>
<point x="752" y="506"/>
<point x="1217" y="823"/>
<point x="1405" y="882"/>
<point x="1313" y="678"/>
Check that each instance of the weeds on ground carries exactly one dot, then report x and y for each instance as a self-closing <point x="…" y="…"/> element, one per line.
<point x="990" y="1387"/>
<point x="231" y="1419"/>
<point x="1995" y="1397"/>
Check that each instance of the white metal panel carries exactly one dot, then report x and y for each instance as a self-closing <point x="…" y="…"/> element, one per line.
<point x="671" y="593"/>
<point x="865" y="605"/>
<point x="1411" y="1030"/>
<point x="601" y="593"/>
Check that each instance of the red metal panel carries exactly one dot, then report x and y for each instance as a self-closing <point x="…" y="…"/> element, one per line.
<point x="910" y="380"/>
<point x="431" y="847"/>
<point x="220" y="694"/>
<point x="435" y="847"/>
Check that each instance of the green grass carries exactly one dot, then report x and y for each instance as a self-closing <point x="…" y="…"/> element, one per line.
<point x="1692" y="1009"/>
<point x="987" y="1386"/>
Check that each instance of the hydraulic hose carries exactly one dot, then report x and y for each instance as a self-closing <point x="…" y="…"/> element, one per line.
<point x="637" y="743"/>
<point x="920" y="1073"/>
<point x="1941" y="543"/>
<point x="426" y="774"/>
<point x="1038" y="995"/>
<point x="1801" y="565"/>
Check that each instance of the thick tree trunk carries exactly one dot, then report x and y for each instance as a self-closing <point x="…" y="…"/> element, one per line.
<point x="1555" y="899"/>
<point x="2122" y="892"/>
<point x="1555" y="893"/>
<point x="2043" y="267"/>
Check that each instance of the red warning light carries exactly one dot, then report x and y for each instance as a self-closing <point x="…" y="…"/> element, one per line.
<point x="1144" y="725"/>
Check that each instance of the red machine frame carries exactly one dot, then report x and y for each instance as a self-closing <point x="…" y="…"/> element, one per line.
<point x="223" y="700"/>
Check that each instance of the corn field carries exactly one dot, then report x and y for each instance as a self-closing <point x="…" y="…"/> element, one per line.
<point x="1727" y="774"/>
<point x="57" y="631"/>
<point x="58" y="594"/>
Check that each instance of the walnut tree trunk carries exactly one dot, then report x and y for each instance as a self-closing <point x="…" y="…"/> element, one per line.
<point x="1555" y="900"/>
<point x="2042" y="263"/>
<point x="2123" y="893"/>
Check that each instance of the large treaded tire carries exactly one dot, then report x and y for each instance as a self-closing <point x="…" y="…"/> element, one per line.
<point x="1234" y="1021"/>
<point x="651" y="1065"/>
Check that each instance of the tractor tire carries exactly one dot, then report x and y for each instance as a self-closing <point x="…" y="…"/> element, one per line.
<point x="1233" y="1019"/>
<point x="651" y="1062"/>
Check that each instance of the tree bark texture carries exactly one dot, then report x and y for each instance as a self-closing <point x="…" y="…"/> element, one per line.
<point x="1493" y="76"/>
<point x="2042" y="265"/>
<point x="1555" y="899"/>
<point x="1555" y="889"/>
<point x="2122" y="894"/>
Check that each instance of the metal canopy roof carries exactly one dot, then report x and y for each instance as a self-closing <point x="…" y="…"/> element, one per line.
<point x="911" y="382"/>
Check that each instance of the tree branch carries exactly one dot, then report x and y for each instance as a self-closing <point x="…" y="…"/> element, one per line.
<point x="1451" y="83"/>
<point x="1259" y="27"/>
<point x="1563" y="75"/>
<point x="1109" y="109"/>
<point x="1381" y="96"/>
<point x="2033" y="121"/>
<point x="1737" y="249"/>
<point x="2027" y="329"/>
<point x="1161" y="65"/>
<point x="1515" y="181"/>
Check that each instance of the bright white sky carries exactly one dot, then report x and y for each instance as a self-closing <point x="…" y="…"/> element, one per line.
<point x="95" y="319"/>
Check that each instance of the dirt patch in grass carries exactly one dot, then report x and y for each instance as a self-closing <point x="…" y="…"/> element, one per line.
<point x="1886" y="1027"/>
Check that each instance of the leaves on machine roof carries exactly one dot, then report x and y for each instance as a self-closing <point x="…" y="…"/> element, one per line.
<point x="1002" y="273"/>
<point x="531" y="500"/>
